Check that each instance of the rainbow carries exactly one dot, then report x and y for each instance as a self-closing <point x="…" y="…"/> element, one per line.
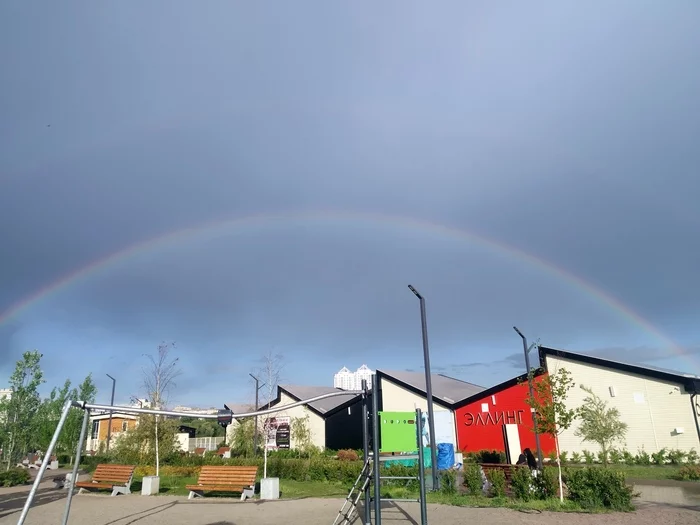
<point x="227" y="225"/>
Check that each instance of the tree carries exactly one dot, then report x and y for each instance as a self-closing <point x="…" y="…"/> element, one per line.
<point x="49" y="413"/>
<point x="158" y="380"/>
<point x="242" y="440"/>
<point x="552" y="415"/>
<point x="18" y="413"/>
<point x="301" y="433"/>
<point x="86" y="391"/>
<point x="270" y="373"/>
<point x="599" y="424"/>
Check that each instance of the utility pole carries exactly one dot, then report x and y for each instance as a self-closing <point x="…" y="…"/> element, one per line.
<point x="428" y="388"/>
<point x="527" y="349"/>
<point x="257" y="401"/>
<point x="111" y="403"/>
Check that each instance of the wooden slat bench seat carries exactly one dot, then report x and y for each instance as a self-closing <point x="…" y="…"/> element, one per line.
<point x="116" y="478"/>
<point x="216" y="478"/>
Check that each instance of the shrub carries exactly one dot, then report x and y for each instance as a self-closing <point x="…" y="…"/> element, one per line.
<point x="616" y="456"/>
<point x="472" y="479"/>
<point x="628" y="458"/>
<point x="546" y="483"/>
<point x="596" y="487"/>
<point x="522" y="483"/>
<point x="588" y="457"/>
<point x="347" y="455"/>
<point x="676" y="457"/>
<point x="485" y="456"/>
<point x="563" y="457"/>
<point x="659" y="457"/>
<point x="552" y="457"/>
<point x="498" y="482"/>
<point x="692" y="457"/>
<point x="689" y="473"/>
<point x="576" y="458"/>
<point x="13" y="477"/>
<point x="448" y="482"/>
<point x="643" y="458"/>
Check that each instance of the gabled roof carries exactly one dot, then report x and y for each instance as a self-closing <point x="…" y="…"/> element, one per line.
<point x="239" y="408"/>
<point x="689" y="381"/>
<point x="447" y="391"/>
<point x="324" y="407"/>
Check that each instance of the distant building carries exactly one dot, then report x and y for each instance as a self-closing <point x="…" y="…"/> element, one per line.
<point x="347" y="380"/>
<point x="5" y="393"/>
<point x="194" y="411"/>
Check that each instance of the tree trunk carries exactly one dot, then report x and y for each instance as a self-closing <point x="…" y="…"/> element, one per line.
<point x="561" y="483"/>
<point x="265" y="461"/>
<point x="157" y="451"/>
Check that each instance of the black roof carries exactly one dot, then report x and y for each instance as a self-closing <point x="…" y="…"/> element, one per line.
<point x="447" y="391"/>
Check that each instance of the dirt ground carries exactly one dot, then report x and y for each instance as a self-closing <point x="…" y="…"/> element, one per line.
<point x="135" y="509"/>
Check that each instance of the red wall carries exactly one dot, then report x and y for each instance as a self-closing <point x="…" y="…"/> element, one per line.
<point x="477" y="430"/>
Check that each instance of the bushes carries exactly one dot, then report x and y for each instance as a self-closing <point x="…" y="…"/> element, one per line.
<point x="497" y="478"/>
<point x="472" y="479"/>
<point x="13" y="477"/>
<point x="485" y="456"/>
<point x="547" y="483"/>
<point x="448" y="482"/>
<point x="522" y="484"/>
<point x="347" y="455"/>
<point x="595" y="488"/>
<point x="689" y="473"/>
<point x="616" y="457"/>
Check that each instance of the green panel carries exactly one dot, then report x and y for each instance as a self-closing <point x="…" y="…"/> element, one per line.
<point x="398" y="432"/>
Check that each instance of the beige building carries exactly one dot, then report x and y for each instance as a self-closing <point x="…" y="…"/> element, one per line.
<point x="99" y="425"/>
<point x="661" y="408"/>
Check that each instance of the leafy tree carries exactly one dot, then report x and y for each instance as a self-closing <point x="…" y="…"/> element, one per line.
<point x="551" y="412"/>
<point x="48" y="415"/>
<point x="86" y="391"/>
<point x="138" y="446"/>
<point x="158" y="380"/>
<point x="243" y="432"/>
<point x="301" y="434"/>
<point x="599" y="423"/>
<point x="18" y="413"/>
<point x="204" y="427"/>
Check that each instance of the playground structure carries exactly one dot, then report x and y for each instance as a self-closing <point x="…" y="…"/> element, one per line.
<point x="370" y="474"/>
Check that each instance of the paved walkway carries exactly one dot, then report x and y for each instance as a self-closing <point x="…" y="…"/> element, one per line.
<point x="93" y="509"/>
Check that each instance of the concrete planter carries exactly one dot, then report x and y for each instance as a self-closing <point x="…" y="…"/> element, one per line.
<point x="150" y="485"/>
<point x="270" y="488"/>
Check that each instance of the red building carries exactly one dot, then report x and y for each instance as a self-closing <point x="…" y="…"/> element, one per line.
<point x="499" y="419"/>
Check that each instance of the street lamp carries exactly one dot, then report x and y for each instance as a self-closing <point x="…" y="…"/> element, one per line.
<point x="257" y="400"/>
<point x="527" y="349"/>
<point x="428" y="388"/>
<point x="111" y="403"/>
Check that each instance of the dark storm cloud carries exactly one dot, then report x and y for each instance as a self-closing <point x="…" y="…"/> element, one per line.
<point x="568" y="131"/>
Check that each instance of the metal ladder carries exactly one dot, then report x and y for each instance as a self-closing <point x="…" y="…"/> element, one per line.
<point x="360" y="485"/>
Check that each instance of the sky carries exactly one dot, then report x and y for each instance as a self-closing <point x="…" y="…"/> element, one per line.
<point x="254" y="178"/>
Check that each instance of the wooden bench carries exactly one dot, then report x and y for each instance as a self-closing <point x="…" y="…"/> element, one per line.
<point x="225" y="479"/>
<point x="116" y="478"/>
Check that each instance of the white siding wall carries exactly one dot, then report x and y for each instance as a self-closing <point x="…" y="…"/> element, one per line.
<point x="651" y="408"/>
<point x="317" y="424"/>
<point x="396" y="398"/>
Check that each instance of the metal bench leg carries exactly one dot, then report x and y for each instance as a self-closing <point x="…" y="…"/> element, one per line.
<point x="194" y="495"/>
<point x="247" y="493"/>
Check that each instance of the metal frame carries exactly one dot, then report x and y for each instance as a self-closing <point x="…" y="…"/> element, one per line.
<point x="376" y="460"/>
<point x="88" y="407"/>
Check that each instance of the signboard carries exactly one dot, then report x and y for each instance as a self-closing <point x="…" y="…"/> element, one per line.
<point x="277" y="432"/>
<point x="398" y="431"/>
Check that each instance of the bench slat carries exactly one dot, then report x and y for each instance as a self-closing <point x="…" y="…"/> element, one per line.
<point x="216" y="488"/>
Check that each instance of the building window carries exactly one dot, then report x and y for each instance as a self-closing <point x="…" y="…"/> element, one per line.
<point x="95" y="429"/>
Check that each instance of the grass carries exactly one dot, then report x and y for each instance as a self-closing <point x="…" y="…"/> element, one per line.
<point x="175" y="486"/>
<point x="639" y="471"/>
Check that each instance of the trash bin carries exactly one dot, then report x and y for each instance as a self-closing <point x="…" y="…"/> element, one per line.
<point x="445" y="456"/>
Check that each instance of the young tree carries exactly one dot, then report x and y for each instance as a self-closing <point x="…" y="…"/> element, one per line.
<point x="49" y="413"/>
<point x="19" y="411"/>
<point x="599" y="424"/>
<point x="242" y="440"/>
<point x="86" y="391"/>
<point x="270" y="373"/>
<point x="158" y="380"/>
<point x="551" y="412"/>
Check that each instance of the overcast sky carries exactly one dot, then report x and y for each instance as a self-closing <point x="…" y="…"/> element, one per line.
<point x="353" y="131"/>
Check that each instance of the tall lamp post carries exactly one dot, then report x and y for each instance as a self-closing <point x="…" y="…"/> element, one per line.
<point x="258" y="386"/>
<point x="428" y="388"/>
<point x="527" y="349"/>
<point x="111" y="403"/>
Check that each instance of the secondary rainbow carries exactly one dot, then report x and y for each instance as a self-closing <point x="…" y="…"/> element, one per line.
<point x="251" y="221"/>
